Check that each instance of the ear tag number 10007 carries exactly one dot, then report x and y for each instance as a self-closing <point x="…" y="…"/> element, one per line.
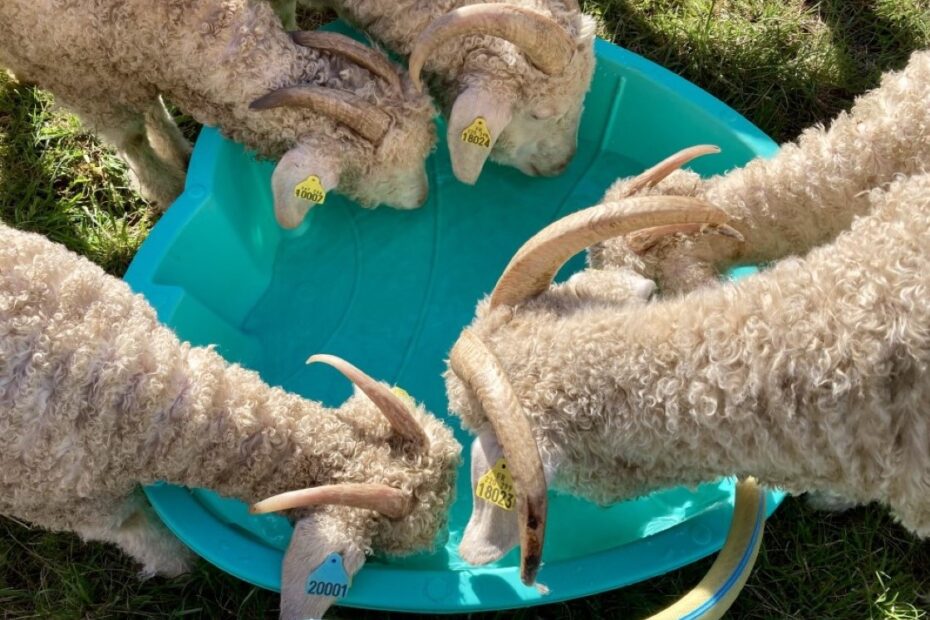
<point x="311" y="189"/>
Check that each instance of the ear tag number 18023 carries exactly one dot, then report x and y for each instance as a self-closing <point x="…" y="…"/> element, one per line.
<point x="329" y="578"/>
<point x="496" y="486"/>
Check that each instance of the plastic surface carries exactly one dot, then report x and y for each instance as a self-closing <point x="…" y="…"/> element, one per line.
<point x="390" y="291"/>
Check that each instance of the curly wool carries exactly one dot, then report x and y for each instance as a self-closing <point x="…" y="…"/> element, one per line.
<point x="211" y="58"/>
<point x="804" y="196"/>
<point x="812" y="376"/>
<point x="96" y="398"/>
<point x="493" y="65"/>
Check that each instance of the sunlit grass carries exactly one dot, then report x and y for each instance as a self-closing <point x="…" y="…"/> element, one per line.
<point x="785" y="64"/>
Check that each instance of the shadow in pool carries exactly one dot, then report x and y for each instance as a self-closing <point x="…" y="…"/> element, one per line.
<point x="490" y="587"/>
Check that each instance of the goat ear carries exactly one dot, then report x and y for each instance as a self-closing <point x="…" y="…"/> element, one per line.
<point x="492" y="531"/>
<point x="619" y="285"/>
<point x="476" y="121"/>
<point x="301" y="181"/>
<point x="318" y="568"/>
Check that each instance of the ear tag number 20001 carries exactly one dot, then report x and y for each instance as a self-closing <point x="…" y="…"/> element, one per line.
<point x="329" y="578"/>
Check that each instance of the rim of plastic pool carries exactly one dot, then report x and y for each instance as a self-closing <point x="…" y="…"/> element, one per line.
<point x="190" y="514"/>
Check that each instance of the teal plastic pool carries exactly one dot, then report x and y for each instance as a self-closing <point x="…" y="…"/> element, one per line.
<point x="390" y="291"/>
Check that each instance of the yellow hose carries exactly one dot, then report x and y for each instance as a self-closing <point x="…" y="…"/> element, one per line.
<point x="711" y="598"/>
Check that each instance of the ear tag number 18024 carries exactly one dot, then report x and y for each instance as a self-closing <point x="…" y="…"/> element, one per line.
<point x="496" y="486"/>
<point x="477" y="133"/>
<point x="329" y="578"/>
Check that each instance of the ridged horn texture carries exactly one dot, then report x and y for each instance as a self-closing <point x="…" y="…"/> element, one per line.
<point x="349" y="48"/>
<point x="392" y="503"/>
<point x="545" y="43"/>
<point x="362" y="117"/>
<point x="393" y="408"/>
<point x="532" y="268"/>
<point x="667" y="166"/>
<point x="481" y="371"/>
<point x="641" y="241"/>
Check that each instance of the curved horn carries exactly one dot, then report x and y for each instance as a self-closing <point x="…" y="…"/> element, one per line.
<point x="393" y="408"/>
<point x="480" y="370"/>
<point x="643" y="240"/>
<point x="360" y="54"/>
<point x="546" y="44"/>
<point x="654" y="175"/>
<point x="390" y="502"/>
<point x="359" y="115"/>
<point x="535" y="264"/>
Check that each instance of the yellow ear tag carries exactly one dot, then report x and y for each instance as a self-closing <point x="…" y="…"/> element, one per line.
<point x="496" y="486"/>
<point x="402" y="393"/>
<point x="311" y="189"/>
<point x="477" y="133"/>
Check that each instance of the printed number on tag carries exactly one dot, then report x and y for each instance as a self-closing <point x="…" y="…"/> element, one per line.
<point x="311" y="189"/>
<point x="496" y="486"/>
<point x="329" y="578"/>
<point x="477" y="133"/>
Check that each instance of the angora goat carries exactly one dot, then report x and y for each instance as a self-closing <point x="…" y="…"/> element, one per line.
<point x="97" y="398"/>
<point x="809" y="192"/>
<point x="512" y="76"/>
<point x="343" y="116"/>
<point x="811" y="376"/>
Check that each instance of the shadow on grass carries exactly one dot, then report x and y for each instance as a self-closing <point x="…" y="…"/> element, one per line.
<point x="784" y="65"/>
<point x="57" y="180"/>
<point x="873" y="42"/>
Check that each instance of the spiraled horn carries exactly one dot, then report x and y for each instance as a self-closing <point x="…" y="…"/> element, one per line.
<point x="345" y="46"/>
<point x="532" y="268"/>
<point x="480" y="370"/>
<point x="359" y="115"/>
<point x="546" y="44"/>
<point x="392" y="503"/>
<point x="393" y="408"/>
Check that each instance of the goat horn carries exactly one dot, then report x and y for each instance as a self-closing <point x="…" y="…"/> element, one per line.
<point x="393" y="408"/>
<point x="546" y="44"/>
<point x="392" y="503"/>
<point x="481" y="371"/>
<point x="353" y="50"/>
<point x="359" y="115"/>
<point x="535" y="264"/>
<point x="642" y="240"/>
<point x="654" y="175"/>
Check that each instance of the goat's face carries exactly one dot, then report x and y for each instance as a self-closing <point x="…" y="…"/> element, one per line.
<point x="500" y="383"/>
<point x="524" y="113"/>
<point x="542" y="135"/>
<point x="393" y="499"/>
<point x="384" y="131"/>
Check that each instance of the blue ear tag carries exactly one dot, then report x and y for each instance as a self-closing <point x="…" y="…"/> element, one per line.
<point x="329" y="578"/>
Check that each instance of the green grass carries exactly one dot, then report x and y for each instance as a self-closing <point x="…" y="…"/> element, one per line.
<point x="785" y="64"/>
